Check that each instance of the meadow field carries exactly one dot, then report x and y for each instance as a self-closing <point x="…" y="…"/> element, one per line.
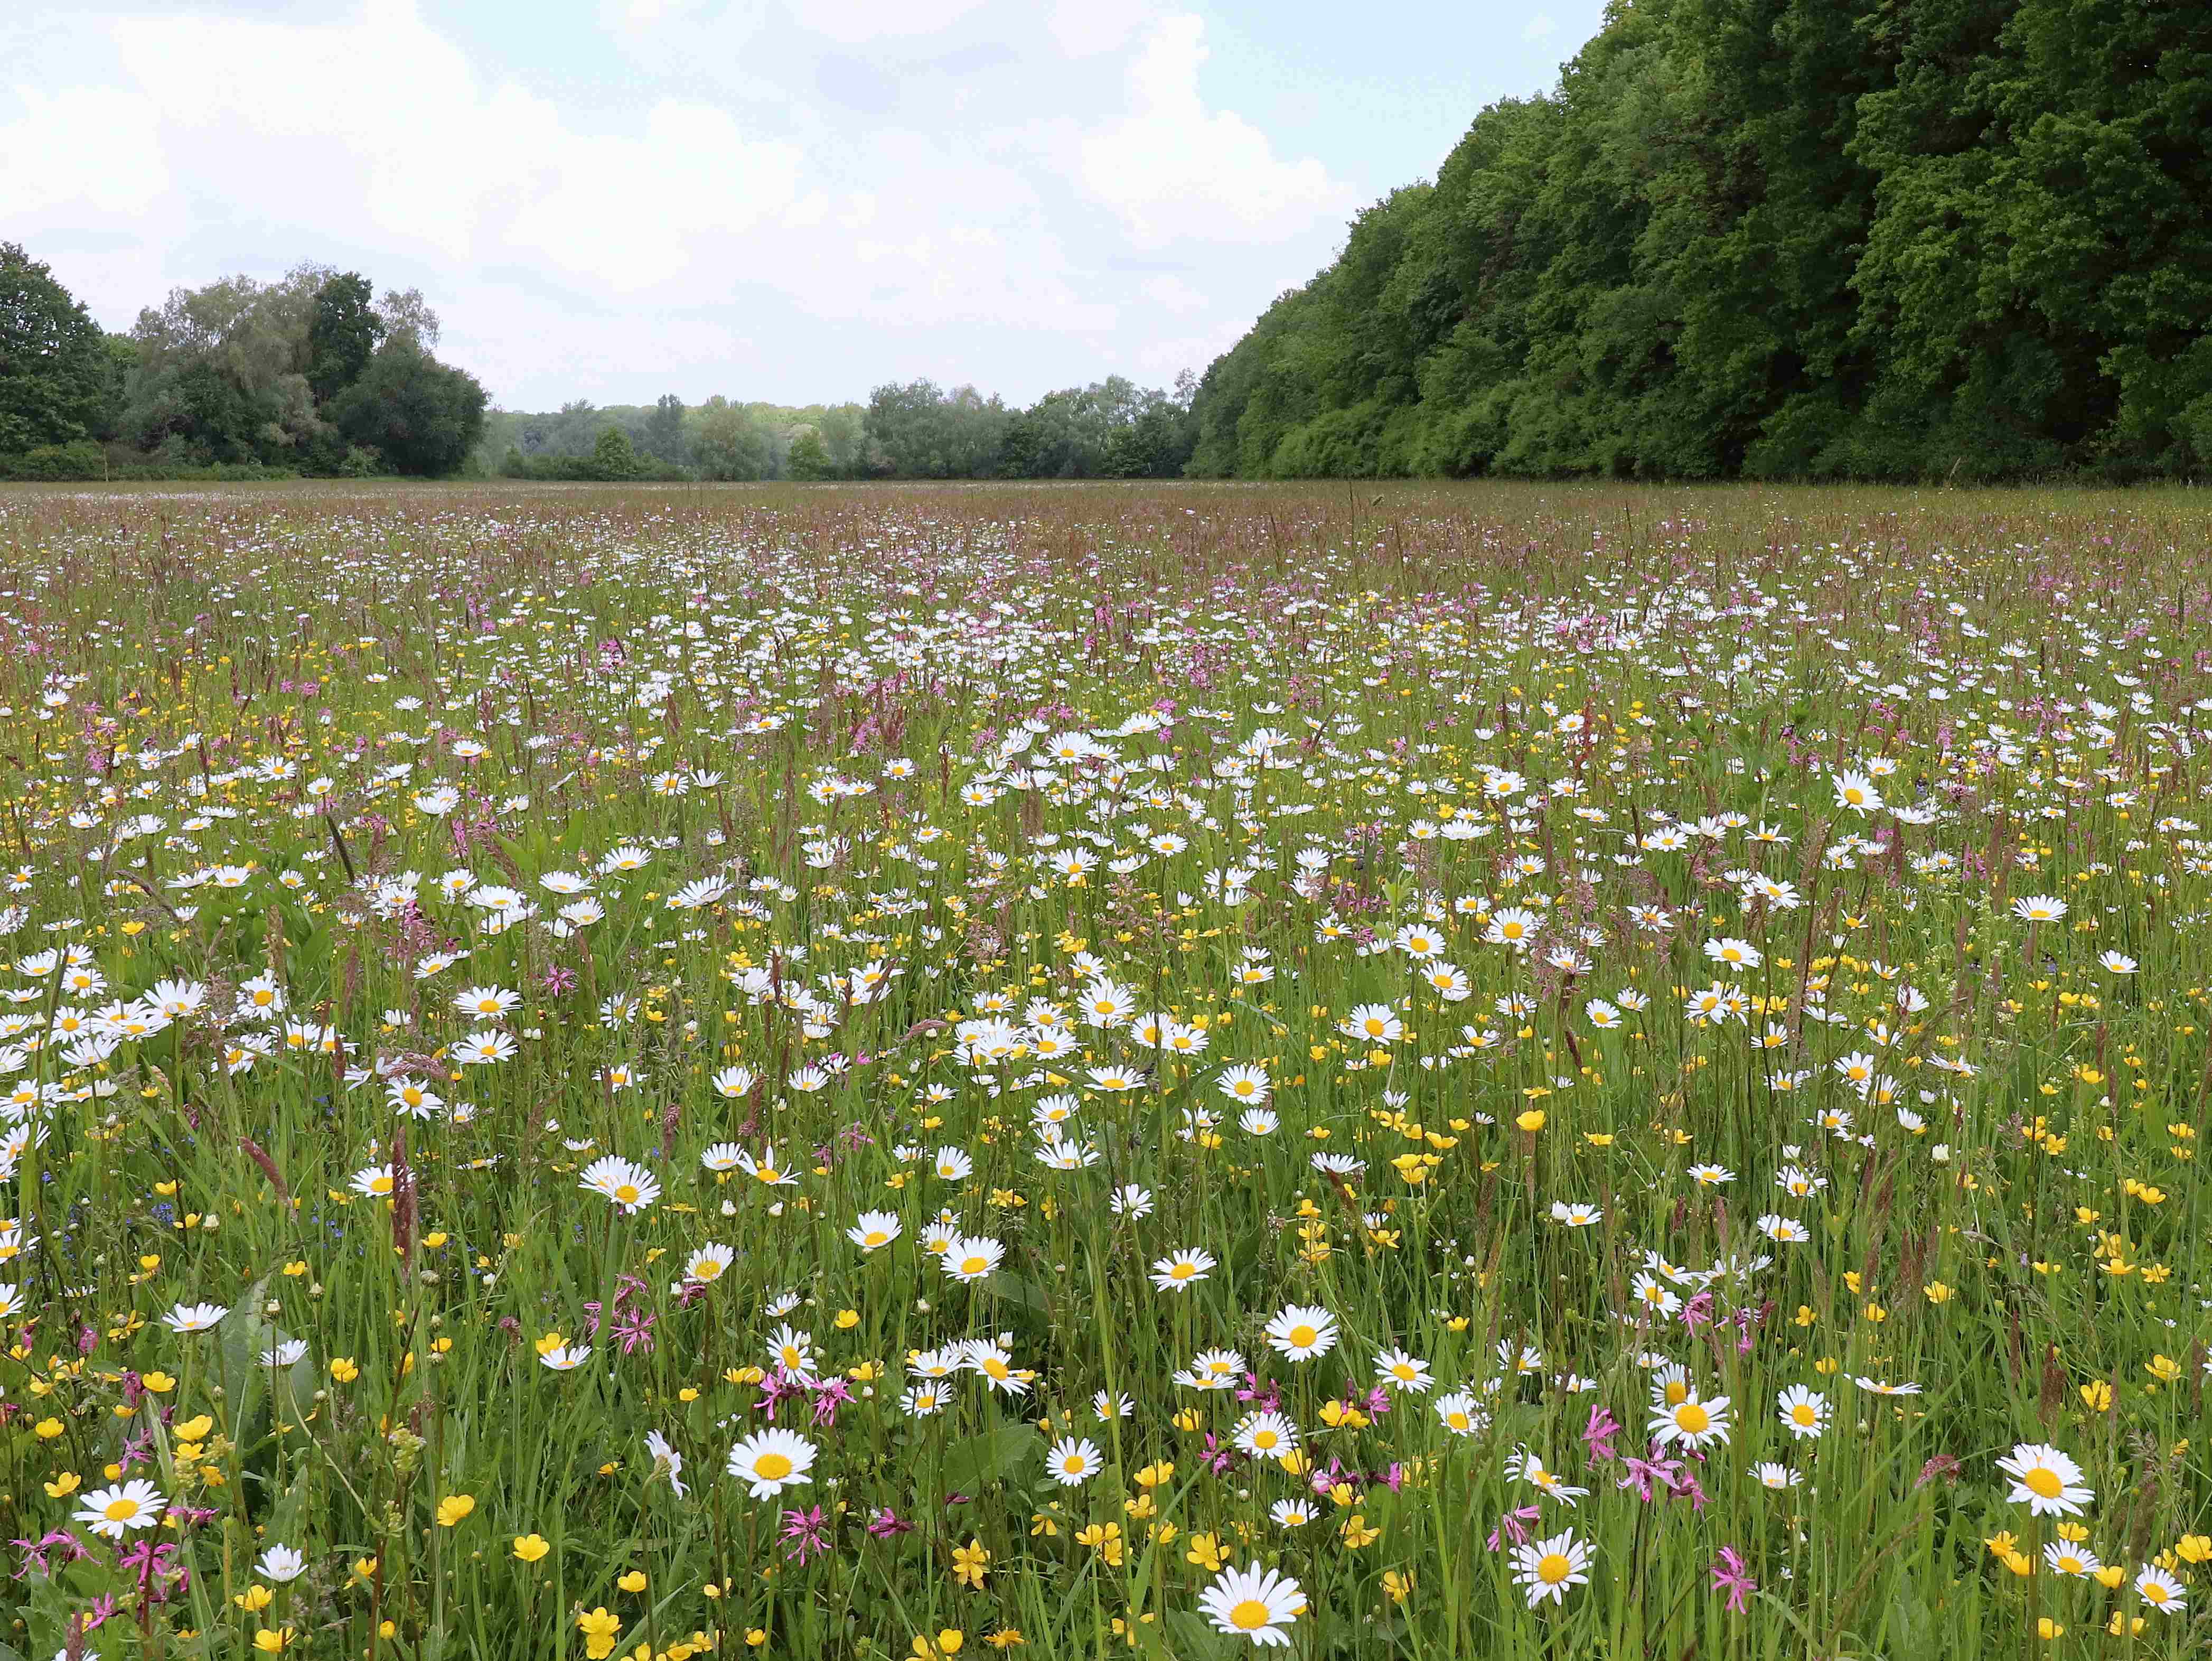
<point x="1180" y="1071"/>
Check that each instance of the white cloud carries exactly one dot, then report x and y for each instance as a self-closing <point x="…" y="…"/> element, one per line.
<point x="864" y="22"/>
<point x="1162" y="359"/>
<point x="1171" y="294"/>
<point x="1538" y="27"/>
<point x="1173" y="168"/>
<point x="440" y="158"/>
<point x="90" y="147"/>
<point x="1083" y="28"/>
<point x="708" y="214"/>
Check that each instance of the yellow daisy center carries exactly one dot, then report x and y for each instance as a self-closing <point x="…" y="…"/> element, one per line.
<point x="1553" y="1567"/>
<point x="1694" y="1419"/>
<point x="772" y="1467"/>
<point x="2043" y="1482"/>
<point x="1249" y="1616"/>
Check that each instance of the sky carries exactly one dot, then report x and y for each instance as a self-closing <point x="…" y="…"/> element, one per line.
<point x="787" y="200"/>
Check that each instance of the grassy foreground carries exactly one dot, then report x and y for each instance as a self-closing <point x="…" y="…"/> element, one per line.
<point x="1505" y="1070"/>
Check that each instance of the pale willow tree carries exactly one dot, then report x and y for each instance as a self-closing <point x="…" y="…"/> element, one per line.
<point x="243" y="370"/>
<point x="728" y="444"/>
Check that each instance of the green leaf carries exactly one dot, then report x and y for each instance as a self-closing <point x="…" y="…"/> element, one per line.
<point x="990" y="1457"/>
<point x="1020" y="1291"/>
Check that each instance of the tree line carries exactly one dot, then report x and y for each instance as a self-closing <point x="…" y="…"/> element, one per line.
<point x="1825" y="239"/>
<point x="315" y="374"/>
<point x="311" y="374"/>
<point x="1111" y="428"/>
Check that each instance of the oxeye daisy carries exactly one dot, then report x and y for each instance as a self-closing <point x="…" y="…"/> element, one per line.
<point x="2045" y="1481"/>
<point x="2065" y="1557"/>
<point x="996" y="1366"/>
<point x="1692" y="1422"/>
<point x="792" y="1352"/>
<point x="1532" y="1470"/>
<point x="1884" y="1387"/>
<point x="114" y="1511"/>
<point x="1251" y="1603"/>
<point x="1072" y="1461"/>
<point x="970" y="1258"/>
<point x="1302" y="1332"/>
<point x="1373" y="1022"/>
<point x="2161" y="1590"/>
<point x="1179" y="1270"/>
<point x="376" y="1181"/>
<point x="1266" y="1435"/>
<point x="766" y="1169"/>
<point x="1460" y="1414"/>
<point x="709" y="1264"/>
<point x="771" y="1461"/>
<point x="1131" y="1200"/>
<point x="1803" y="1413"/>
<point x="871" y="1231"/>
<point x="1546" y="1568"/>
<point x="922" y="1400"/>
<point x="935" y="1363"/>
<point x="191" y="1317"/>
<point x="953" y="1165"/>
<point x="486" y="1002"/>
<point x="1244" y="1084"/>
<point x="1400" y="1371"/>
<point x="732" y="1082"/>
<point x="630" y="1186"/>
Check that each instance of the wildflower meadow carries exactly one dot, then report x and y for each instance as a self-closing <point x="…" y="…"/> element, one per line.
<point x="1468" y="1072"/>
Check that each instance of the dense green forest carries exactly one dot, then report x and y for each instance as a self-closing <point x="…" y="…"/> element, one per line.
<point x="1851" y="239"/>
<point x="310" y="373"/>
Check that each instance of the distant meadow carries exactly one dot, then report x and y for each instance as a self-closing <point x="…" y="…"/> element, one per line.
<point x="1395" y="1071"/>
